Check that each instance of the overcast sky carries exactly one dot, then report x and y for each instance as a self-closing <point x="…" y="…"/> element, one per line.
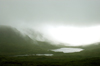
<point x="44" y="15"/>
<point x="69" y="12"/>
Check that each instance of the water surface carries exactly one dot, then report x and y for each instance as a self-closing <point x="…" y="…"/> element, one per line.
<point x="67" y="50"/>
<point x="34" y="55"/>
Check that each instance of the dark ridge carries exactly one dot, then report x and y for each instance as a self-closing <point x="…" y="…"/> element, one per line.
<point x="13" y="42"/>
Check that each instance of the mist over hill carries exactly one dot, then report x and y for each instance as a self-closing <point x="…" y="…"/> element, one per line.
<point x="13" y="42"/>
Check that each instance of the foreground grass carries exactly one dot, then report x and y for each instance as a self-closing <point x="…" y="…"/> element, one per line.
<point x="50" y="61"/>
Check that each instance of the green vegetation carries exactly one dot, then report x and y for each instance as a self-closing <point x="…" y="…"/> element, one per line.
<point x="64" y="60"/>
<point x="12" y="42"/>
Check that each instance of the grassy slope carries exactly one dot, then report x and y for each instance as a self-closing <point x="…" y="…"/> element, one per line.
<point x="12" y="42"/>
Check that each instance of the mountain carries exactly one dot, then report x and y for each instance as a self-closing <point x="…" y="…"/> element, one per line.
<point x="13" y="42"/>
<point x="92" y="50"/>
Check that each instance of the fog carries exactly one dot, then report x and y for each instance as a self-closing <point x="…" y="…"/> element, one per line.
<point x="46" y="15"/>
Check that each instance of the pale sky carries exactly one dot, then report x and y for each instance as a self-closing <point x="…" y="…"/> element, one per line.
<point x="39" y="14"/>
<point x="74" y="12"/>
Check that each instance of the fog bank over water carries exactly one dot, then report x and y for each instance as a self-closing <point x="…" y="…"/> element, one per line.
<point x="72" y="22"/>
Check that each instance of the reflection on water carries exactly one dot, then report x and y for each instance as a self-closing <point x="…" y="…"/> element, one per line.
<point x="64" y="50"/>
<point x="34" y="55"/>
<point x="44" y="54"/>
<point x="67" y="50"/>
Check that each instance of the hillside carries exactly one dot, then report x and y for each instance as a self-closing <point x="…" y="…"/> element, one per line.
<point x="13" y="42"/>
